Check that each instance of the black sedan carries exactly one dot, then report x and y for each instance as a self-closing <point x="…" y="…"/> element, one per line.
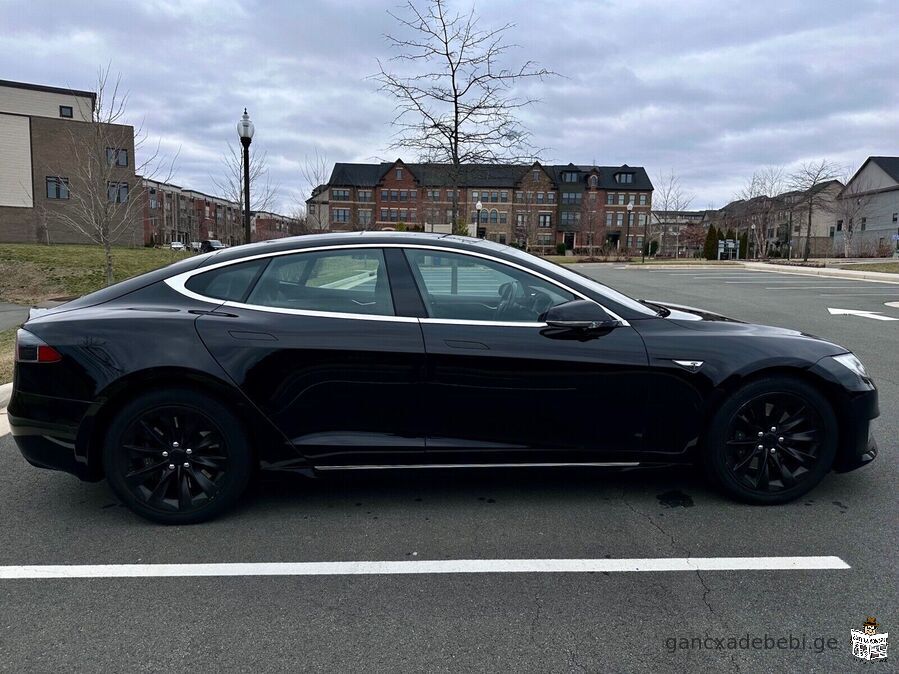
<point x="373" y="350"/>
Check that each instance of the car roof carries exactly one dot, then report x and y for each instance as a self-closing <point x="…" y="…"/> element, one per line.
<point x="298" y="243"/>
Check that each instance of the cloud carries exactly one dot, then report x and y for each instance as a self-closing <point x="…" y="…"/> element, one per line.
<point x="712" y="90"/>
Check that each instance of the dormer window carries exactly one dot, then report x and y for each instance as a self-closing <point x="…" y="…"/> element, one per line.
<point x="399" y="174"/>
<point x="594" y="181"/>
<point x="624" y="178"/>
<point x="569" y="177"/>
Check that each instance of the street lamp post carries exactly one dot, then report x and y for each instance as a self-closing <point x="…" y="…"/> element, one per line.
<point x="477" y="225"/>
<point x="753" y="240"/>
<point x="245" y="130"/>
<point x="627" y="228"/>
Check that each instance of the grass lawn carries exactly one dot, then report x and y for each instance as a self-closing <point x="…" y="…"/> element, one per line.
<point x="7" y="341"/>
<point x="890" y="267"/>
<point x="32" y="273"/>
<point x="573" y="259"/>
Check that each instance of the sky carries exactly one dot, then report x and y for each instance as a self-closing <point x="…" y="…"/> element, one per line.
<point x="710" y="90"/>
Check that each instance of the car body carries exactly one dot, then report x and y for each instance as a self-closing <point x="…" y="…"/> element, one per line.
<point x="363" y="350"/>
<point x="211" y="245"/>
<point x="176" y="245"/>
<point x="195" y="246"/>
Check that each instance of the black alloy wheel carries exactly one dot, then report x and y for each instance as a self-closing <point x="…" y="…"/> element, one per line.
<point x="176" y="457"/>
<point x="772" y="441"/>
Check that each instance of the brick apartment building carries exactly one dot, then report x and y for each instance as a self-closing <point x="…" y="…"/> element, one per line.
<point x="529" y="205"/>
<point x="45" y="132"/>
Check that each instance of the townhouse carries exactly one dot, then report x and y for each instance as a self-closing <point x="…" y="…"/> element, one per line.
<point x="530" y="205"/>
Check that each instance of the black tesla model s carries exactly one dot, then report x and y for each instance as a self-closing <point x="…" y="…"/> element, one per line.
<point x="373" y="350"/>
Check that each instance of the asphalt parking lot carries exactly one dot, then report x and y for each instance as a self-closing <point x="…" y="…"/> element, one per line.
<point x="535" y="621"/>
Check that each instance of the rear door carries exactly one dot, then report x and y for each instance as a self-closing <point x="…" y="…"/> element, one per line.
<point x="315" y="342"/>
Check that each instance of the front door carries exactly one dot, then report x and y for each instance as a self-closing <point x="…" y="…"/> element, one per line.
<point x="569" y="240"/>
<point x="503" y="387"/>
<point x="317" y="345"/>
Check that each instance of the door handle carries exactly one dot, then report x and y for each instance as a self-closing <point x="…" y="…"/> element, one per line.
<point x="363" y="304"/>
<point x="464" y="344"/>
<point x="253" y="336"/>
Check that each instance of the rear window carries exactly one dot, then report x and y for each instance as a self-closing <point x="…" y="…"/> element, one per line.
<point x="232" y="283"/>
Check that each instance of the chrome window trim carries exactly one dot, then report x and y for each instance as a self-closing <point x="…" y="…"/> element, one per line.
<point x="179" y="281"/>
<point x="441" y="466"/>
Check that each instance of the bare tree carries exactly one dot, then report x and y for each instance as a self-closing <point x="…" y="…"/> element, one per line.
<point x="760" y="205"/>
<point x="455" y="103"/>
<point x="104" y="200"/>
<point x="669" y="196"/>
<point x="807" y="179"/>
<point x="314" y="172"/>
<point x="229" y="182"/>
<point x="848" y="206"/>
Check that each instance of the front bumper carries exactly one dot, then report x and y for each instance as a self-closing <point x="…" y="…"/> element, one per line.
<point x="858" y="447"/>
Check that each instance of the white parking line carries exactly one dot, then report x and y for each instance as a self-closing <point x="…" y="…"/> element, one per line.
<point x="4" y="422"/>
<point x="442" y="566"/>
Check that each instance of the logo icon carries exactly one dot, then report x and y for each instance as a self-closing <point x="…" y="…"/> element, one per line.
<point x="867" y="644"/>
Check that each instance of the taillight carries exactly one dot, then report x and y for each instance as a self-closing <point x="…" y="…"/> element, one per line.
<point x="31" y="349"/>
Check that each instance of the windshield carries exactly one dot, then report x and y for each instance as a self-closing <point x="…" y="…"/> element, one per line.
<point x="581" y="279"/>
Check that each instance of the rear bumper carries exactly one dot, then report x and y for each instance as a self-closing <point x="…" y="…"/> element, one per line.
<point x="45" y="430"/>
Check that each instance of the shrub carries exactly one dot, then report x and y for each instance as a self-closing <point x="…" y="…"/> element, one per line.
<point x="560" y="249"/>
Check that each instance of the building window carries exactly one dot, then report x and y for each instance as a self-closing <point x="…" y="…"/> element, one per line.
<point x="594" y="181"/>
<point x="545" y="239"/>
<point x="545" y="220"/>
<point x="399" y="174"/>
<point x="413" y="195"/>
<point x="864" y="223"/>
<point x="385" y="195"/>
<point x="341" y="215"/>
<point x="539" y="197"/>
<point x="503" y="197"/>
<point x="475" y="196"/>
<point x="404" y="195"/>
<point x="610" y="198"/>
<point x="384" y="215"/>
<point x="642" y="199"/>
<point x="451" y="195"/>
<point x="519" y="197"/>
<point x="620" y="220"/>
<point x="66" y="111"/>
<point x="839" y="225"/>
<point x="394" y="215"/>
<point x="608" y="219"/>
<point x="394" y="195"/>
<point x="641" y="219"/>
<point x="340" y="195"/>
<point x="895" y="217"/>
<point x="494" y="217"/>
<point x="116" y="156"/>
<point x="503" y="217"/>
<point x="535" y="175"/>
<point x="117" y="192"/>
<point x="569" y="218"/>
<point x="569" y="177"/>
<point x="624" y="178"/>
<point x="550" y="197"/>
<point x="434" y="195"/>
<point x="620" y="199"/>
<point x="484" y="216"/>
<point x="57" y="187"/>
<point x="831" y="232"/>
<point x="363" y="195"/>
<point x="154" y="203"/>
<point x="571" y="198"/>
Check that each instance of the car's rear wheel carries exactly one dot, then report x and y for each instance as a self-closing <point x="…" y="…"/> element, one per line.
<point x="176" y="456"/>
<point x="772" y="441"/>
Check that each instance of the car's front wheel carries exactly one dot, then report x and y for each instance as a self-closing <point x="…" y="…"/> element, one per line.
<point x="176" y="456"/>
<point x="771" y="441"/>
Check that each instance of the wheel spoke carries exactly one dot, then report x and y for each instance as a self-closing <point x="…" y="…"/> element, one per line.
<point x="154" y="433"/>
<point x="203" y="482"/>
<point x="743" y="465"/>
<point x="785" y="475"/>
<point x="184" y="498"/>
<point x="144" y="472"/>
<point x="805" y="436"/>
<point x="137" y="449"/>
<point x="207" y="461"/>
<point x="800" y="456"/>
<point x="159" y="490"/>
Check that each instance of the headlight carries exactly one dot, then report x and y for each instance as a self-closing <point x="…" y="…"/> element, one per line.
<point x="851" y="362"/>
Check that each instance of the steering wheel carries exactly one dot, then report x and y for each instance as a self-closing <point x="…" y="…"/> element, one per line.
<point x="508" y="292"/>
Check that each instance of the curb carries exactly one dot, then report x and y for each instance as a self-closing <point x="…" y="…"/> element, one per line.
<point x="824" y="271"/>
<point x="5" y="395"/>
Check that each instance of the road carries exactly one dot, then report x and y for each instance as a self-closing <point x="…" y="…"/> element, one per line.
<point x="547" y="622"/>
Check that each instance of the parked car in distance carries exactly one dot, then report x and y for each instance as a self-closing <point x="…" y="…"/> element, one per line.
<point x="195" y="246"/>
<point x="210" y="245"/>
<point x="375" y="350"/>
<point x="176" y="245"/>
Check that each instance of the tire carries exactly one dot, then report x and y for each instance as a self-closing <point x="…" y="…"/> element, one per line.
<point x="152" y="470"/>
<point x="738" y="457"/>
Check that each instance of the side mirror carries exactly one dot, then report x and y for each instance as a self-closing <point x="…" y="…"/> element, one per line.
<point x="579" y="315"/>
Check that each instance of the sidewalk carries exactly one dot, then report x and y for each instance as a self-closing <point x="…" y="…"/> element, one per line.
<point x="824" y="271"/>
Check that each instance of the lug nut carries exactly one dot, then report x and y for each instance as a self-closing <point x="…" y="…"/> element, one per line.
<point x="176" y="445"/>
<point x="187" y="465"/>
<point x="772" y="450"/>
<point x="774" y="429"/>
<point x="165" y="455"/>
<point x="761" y="434"/>
<point x="761" y="446"/>
<point x="171" y="466"/>
<point x="780" y="439"/>
<point x="190" y="451"/>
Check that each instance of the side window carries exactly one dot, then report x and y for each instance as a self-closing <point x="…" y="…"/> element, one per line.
<point x="343" y="281"/>
<point x="464" y="287"/>
<point x="227" y="283"/>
